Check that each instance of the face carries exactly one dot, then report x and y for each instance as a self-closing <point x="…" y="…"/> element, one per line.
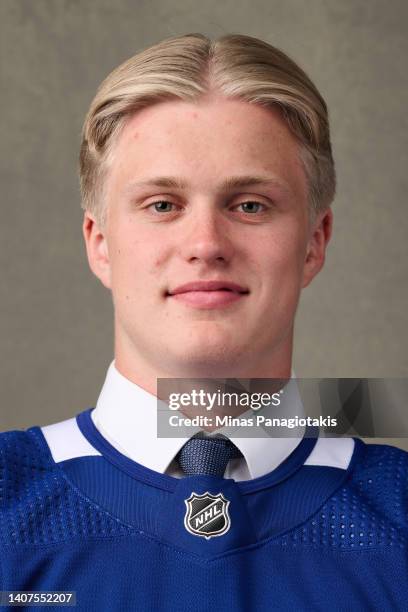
<point x="208" y="240"/>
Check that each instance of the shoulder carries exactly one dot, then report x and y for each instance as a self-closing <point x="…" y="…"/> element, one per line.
<point x="19" y="450"/>
<point x="25" y="464"/>
<point x="382" y="466"/>
<point x="380" y="478"/>
<point x="28" y="457"/>
<point x="38" y="503"/>
<point x="382" y="458"/>
<point x="44" y="445"/>
<point x="25" y="472"/>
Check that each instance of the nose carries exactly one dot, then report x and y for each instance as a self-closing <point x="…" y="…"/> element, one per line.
<point x="206" y="237"/>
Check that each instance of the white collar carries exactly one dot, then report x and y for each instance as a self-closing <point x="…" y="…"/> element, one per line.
<point x="126" y="415"/>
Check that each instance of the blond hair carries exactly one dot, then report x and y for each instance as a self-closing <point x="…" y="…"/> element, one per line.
<point x="189" y="67"/>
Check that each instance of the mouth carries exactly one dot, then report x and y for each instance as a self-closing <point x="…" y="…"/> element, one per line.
<point x="208" y="294"/>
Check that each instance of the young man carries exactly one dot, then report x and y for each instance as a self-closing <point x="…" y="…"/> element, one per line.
<point x="207" y="178"/>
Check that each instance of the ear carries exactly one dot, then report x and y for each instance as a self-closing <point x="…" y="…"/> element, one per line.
<point x="316" y="247"/>
<point x="97" y="249"/>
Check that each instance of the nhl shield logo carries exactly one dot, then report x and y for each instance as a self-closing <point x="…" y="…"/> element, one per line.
<point x="207" y="515"/>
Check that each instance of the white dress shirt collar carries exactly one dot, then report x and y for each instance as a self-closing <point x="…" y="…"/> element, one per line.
<point x="126" y="415"/>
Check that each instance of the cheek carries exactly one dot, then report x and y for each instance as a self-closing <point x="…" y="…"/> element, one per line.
<point x="293" y="251"/>
<point x="280" y="269"/>
<point x="135" y="266"/>
<point x="282" y="255"/>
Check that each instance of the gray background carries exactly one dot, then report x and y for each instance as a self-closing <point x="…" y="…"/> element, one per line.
<point x="56" y="323"/>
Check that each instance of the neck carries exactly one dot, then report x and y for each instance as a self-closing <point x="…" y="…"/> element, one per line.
<point x="139" y="370"/>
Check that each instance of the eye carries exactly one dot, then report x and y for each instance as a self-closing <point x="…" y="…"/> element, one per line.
<point x="162" y="206"/>
<point x="252" y="207"/>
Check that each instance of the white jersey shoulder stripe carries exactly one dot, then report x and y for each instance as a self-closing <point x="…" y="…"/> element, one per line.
<point x="332" y="452"/>
<point x="66" y="441"/>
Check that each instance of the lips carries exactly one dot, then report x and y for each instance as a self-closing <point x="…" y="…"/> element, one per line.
<point x="209" y="286"/>
<point x="208" y="295"/>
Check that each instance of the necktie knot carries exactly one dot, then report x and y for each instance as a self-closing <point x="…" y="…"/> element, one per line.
<point x="207" y="456"/>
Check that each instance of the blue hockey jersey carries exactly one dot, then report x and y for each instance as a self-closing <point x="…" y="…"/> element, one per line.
<point x="326" y="530"/>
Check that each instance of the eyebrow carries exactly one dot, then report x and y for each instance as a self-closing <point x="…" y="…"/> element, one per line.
<point x="233" y="182"/>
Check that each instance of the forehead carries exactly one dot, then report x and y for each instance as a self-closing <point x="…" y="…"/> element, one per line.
<point x="206" y="141"/>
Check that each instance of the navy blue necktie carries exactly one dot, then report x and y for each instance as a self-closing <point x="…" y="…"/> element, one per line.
<point x="208" y="456"/>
